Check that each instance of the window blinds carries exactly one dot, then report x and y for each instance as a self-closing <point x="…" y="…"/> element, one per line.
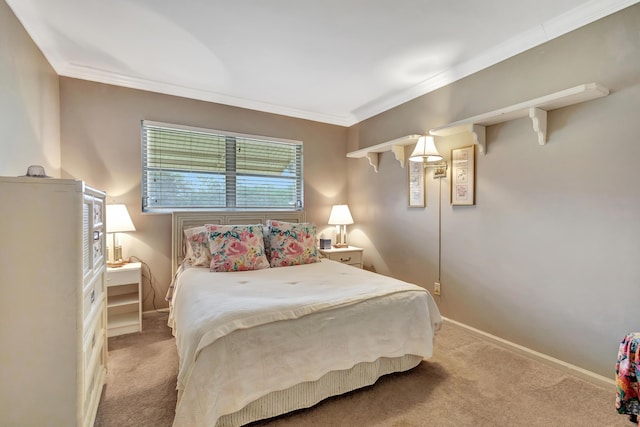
<point x="194" y="168"/>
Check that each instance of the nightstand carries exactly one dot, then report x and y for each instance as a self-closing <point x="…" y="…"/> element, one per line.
<point x="124" y="299"/>
<point x="350" y="255"/>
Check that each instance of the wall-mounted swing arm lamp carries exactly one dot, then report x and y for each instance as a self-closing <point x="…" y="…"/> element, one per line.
<point x="426" y="152"/>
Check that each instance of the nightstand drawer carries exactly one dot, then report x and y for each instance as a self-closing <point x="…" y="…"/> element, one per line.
<point x="116" y="277"/>
<point x="350" y="255"/>
<point x="351" y="258"/>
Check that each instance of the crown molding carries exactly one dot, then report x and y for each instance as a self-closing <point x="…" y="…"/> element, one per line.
<point x="553" y="28"/>
<point x="549" y="30"/>
<point x="107" y="77"/>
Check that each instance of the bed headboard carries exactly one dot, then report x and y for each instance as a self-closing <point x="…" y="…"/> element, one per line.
<point x="188" y="219"/>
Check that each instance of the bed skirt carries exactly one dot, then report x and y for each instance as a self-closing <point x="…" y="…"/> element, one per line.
<point x="307" y="394"/>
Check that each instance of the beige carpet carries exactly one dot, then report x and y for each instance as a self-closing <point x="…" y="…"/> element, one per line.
<point x="469" y="382"/>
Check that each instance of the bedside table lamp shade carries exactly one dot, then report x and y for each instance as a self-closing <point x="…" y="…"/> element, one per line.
<point x="340" y="216"/>
<point x="118" y="221"/>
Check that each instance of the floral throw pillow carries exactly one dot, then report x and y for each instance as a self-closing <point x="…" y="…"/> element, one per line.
<point x="198" y="252"/>
<point x="236" y="247"/>
<point x="292" y="243"/>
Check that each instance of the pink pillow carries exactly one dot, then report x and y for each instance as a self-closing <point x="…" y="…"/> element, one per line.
<point x="198" y="252"/>
<point x="292" y="243"/>
<point x="236" y="247"/>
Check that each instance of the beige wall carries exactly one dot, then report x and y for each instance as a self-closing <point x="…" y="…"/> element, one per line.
<point x="547" y="258"/>
<point x="100" y="135"/>
<point x="29" y="102"/>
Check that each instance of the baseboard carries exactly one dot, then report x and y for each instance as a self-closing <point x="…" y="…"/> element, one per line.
<point x="584" y="374"/>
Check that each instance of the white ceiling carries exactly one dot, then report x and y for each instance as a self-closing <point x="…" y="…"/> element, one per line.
<point x="333" y="61"/>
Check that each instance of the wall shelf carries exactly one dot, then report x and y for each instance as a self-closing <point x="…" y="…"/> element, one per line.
<point x="396" y="146"/>
<point x="536" y="109"/>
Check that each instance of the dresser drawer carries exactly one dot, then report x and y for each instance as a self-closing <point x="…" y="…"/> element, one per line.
<point x="94" y="361"/>
<point x="98" y="246"/>
<point x="92" y="340"/>
<point x="94" y="380"/>
<point x="92" y="295"/>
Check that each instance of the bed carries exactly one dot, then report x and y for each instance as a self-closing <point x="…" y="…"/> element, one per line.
<point x="260" y="343"/>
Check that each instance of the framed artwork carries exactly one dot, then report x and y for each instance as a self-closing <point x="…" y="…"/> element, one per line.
<point x="463" y="176"/>
<point x="417" y="193"/>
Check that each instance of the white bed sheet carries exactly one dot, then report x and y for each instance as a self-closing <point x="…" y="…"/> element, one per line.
<point x="243" y="335"/>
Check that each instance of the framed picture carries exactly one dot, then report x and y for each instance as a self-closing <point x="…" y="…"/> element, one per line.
<point x="417" y="193"/>
<point x="463" y="176"/>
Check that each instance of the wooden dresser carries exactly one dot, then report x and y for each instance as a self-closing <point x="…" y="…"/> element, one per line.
<point x="52" y="302"/>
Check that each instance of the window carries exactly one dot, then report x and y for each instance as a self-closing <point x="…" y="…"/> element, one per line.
<point x="192" y="168"/>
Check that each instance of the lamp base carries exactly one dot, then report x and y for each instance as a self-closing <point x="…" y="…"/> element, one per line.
<point x="115" y="264"/>
<point x="114" y="256"/>
<point x="340" y="245"/>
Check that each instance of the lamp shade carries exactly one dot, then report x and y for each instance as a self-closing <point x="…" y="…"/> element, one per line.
<point x="340" y="215"/>
<point x="425" y="150"/>
<point x="118" y="219"/>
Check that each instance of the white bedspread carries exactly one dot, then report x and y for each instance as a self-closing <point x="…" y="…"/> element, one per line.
<point x="234" y="347"/>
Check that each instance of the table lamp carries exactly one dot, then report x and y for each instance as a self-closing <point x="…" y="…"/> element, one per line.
<point x="118" y="221"/>
<point x="340" y="217"/>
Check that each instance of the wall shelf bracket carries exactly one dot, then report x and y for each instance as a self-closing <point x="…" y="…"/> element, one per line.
<point x="536" y="109"/>
<point x="398" y="151"/>
<point x="373" y="160"/>
<point x="539" y="119"/>
<point x="479" y="134"/>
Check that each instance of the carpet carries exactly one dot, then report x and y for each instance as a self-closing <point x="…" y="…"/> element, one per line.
<point x="469" y="382"/>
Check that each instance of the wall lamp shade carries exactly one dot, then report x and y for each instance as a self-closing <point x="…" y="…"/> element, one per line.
<point x="118" y="221"/>
<point x="425" y="150"/>
<point x="340" y="216"/>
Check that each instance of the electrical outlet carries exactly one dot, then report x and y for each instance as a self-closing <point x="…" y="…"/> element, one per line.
<point x="436" y="288"/>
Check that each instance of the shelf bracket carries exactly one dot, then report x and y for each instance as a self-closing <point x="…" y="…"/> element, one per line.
<point x="398" y="151"/>
<point x="373" y="160"/>
<point x="539" y="119"/>
<point x="479" y="134"/>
